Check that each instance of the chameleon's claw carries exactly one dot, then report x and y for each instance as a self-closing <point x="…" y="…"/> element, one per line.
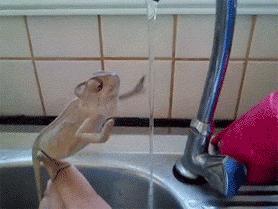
<point x="107" y="128"/>
<point x="52" y="166"/>
<point x="108" y="122"/>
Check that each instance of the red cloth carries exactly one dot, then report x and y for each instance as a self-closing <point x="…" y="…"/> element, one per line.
<point x="253" y="140"/>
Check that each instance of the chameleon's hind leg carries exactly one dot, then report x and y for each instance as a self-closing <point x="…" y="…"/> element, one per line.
<point x="52" y="166"/>
<point x="38" y="179"/>
<point x="38" y="157"/>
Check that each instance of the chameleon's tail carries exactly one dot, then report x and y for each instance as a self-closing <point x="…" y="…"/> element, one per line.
<point x="37" y="172"/>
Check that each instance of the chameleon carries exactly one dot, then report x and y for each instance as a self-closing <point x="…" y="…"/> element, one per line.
<point x="87" y="119"/>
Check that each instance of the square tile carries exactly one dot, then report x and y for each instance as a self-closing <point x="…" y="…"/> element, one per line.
<point x="162" y="88"/>
<point x="62" y="36"/>
<point x="195" y="36"/>
<point x="127" y="36"/>
<point x="261" y="79"/>
<point x="58" y="80"/>
<point x="188" y="88"/>
<point x="130" y="72"/>
<point x="13" y="37"/>
<point x="265" y="38"/>
<point x="18" y="89"/>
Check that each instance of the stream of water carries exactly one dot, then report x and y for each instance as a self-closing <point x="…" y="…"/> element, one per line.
<point x="151" y="15"/>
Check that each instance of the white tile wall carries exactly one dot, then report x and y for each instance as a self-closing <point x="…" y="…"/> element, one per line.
<point x="58" y="80"/>
<point x="64" y="36"/>
<point x="13" y="37"/>
<point x="18" y="89"/>
<point x="265" y="38"/>
<point x="261" y="79"/>
<point x="189" y="82"/>
<point x="130" y="72"/>
<point x="125" y="38"/>
<point x="128" y="36"/>
<point x="195" y="36"/>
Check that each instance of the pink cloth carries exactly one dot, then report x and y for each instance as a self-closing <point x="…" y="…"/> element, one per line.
<point x="253" y="140"/>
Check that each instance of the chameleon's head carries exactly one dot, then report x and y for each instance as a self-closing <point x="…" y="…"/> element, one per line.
<point x="100" y="92"/>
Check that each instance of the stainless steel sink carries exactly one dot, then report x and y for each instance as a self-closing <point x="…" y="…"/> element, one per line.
<point x="123" y="181"/>
<point x="120" y="188"/>
<point x="122" y="178"/>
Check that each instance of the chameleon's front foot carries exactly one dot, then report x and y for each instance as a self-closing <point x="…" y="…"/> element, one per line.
<point x="96" y="137"/>
<point x="107" y="129"/>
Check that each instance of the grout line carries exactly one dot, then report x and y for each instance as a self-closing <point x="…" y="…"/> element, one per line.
<point x="100" y="42"/>
<point x="164" y="58"/>
<point x="173" y="64"/>
<point x="51" y="58"/>
<point x="254" y="19"/>
<point x="191" y="59"/>
<point x="205" y="59"/>
<point x="270" y="59"/>
<point x="136" y="58"/>
<point x="15" y="58"/>
<point x="34" y="66"/>
<point x="66" y="58"/>
<point x="125" y="58"/>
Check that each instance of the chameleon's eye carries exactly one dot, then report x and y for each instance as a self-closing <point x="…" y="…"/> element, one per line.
<point x="99" y="87"/>
<point x="94" y="85"/>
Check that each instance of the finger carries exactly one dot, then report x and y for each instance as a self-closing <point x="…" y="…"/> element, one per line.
<point x="76" y="192"/>
<point x="51" y="198"/>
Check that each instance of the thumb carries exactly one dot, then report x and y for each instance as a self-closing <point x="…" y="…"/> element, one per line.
<point x="73" y="188"/>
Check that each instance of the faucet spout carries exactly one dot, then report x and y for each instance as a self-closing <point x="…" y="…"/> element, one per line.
<point x="223" y="173"/>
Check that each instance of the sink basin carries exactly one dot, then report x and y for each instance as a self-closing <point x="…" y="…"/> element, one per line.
<point x="120" y="188"/>
<point x="119" y="172"/>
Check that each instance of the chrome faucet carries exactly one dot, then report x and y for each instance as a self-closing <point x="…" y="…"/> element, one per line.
<point x="223" y="173"/>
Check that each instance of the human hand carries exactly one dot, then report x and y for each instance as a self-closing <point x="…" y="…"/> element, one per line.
<point x="68" y="188"/>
